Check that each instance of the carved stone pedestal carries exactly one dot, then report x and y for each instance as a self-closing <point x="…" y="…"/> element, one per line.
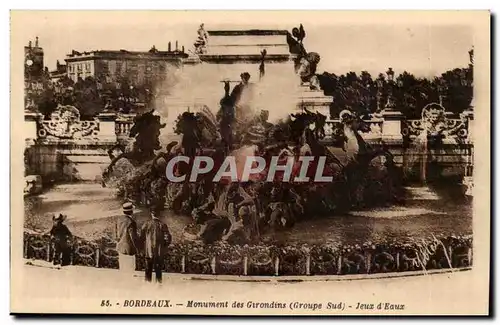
<point x="391" y="127"/>
<point x="107" y="126"/>
<point x="314" y="100"/>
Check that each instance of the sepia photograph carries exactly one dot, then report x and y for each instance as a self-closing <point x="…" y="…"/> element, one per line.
<point x="244" y="163"/>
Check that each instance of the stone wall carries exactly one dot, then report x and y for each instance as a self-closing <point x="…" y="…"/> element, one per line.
<point x="67" y="161"/>
<point x="66" y="149"/>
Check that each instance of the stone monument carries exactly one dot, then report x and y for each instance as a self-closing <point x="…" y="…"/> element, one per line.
<point x="270" y="57"/>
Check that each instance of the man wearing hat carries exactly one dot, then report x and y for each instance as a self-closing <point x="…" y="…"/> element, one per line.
<point x="156" y="238"/>
<point x="127" y="239"/>
<point x="60" y="236"/>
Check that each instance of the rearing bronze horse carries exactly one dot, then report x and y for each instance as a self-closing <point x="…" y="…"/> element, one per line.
<point x="145" y="133"/>
<point x="371" y="172"/>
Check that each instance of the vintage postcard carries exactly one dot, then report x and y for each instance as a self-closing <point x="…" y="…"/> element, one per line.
<point x="250" y="163"/>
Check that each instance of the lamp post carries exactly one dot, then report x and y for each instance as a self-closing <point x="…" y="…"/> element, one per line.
<point x="391" y="128"/>
<point x="390" y="75"/>
<point x="440" y="88"/>
<point x="390" y="105"/>
<point x="380" y="86"/>
<point x="130" y="99"/>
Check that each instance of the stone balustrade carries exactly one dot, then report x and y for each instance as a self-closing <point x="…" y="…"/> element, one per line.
<point x="394" y="128"/>
<point x="65" y="148"/>
<point x="123" y="125"/>
<point x="65" y="126"/>
<point x="65" y="132"/>
<point x="334" y="130"/>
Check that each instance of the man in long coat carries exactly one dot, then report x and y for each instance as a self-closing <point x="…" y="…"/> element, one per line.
<point x="156" y="238"/>
<point x="60" y="236"/>
<point x="127" y="239"/>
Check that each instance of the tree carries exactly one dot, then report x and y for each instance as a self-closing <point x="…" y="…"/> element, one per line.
<point x="364" y="94"/>
<point x="406" y="94"/>
<point x="87" y="98"/>
<point x="46" y="102"/>
<point x="458" y="91"/>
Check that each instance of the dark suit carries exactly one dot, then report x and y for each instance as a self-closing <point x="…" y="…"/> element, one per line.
<point x="127" y="236"/>
<point x="60" y="237"/>
<point x="156" y="238"/>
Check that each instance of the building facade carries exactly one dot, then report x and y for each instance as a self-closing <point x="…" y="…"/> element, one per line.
<point x="59" y="72"/>
<point x="33" y="61"/>
<point x="137" y="68"/>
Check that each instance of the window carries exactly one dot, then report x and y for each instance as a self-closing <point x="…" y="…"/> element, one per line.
<point x="105" y="67"/>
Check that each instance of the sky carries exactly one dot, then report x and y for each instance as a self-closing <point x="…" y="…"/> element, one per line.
<point x="422" y="48"/>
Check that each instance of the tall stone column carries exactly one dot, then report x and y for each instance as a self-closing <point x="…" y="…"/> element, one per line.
<point x="468" y="115"/>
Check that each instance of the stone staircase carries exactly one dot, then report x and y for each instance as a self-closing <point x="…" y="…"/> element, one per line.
<point x="68" y="161"/>
<point x="84" y="164"/>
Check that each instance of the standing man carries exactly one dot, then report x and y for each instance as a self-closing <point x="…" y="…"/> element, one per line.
<point x="156" y="238"/>
<point x="127" y="239"/>
<point x="60" y="236"/>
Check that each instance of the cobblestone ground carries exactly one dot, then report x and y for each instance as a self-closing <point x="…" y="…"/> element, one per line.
<point x="92" y="213"/>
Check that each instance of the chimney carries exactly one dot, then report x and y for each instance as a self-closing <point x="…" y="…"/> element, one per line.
<point x="36" y="41"/>
<point x="176" y="45"/>
<point x="182" y="48"/>
<point x="169" y="46"/>
<point x="29" y="44"/>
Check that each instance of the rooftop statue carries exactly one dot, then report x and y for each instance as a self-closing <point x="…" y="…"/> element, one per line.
<point x="146" y="133"/>
<point x="202" y="41"/>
